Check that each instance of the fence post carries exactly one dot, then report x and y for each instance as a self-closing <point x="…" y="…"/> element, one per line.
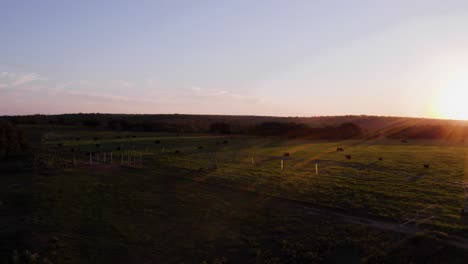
<point x="316" y="169"/>
<point x="282" y="164"/>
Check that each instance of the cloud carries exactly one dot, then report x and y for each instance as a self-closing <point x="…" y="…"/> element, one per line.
<point x="125" y="84"/>
<point x="149" y="82"/>
<point x="10" y="79"/>
<point x="53" y="96"/>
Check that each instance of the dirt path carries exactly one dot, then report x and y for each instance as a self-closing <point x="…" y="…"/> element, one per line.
<point x="312" y="209"/>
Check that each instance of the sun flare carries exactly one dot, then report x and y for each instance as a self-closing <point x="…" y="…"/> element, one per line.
<point x="452" y="100"/>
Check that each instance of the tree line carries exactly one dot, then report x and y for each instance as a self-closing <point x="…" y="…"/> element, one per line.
<point x="331" y="127"/>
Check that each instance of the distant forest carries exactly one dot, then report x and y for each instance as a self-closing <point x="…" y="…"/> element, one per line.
<point x="327" y="127"/>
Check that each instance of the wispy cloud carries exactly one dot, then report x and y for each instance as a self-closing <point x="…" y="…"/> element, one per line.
<point x="11" y="80"/>
<point x="47" y="95"/>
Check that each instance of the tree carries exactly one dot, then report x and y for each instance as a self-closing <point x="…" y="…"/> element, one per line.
<point x="220" y="127"/>
<point x="11" y="140"/>
<point x="91" y="122"/>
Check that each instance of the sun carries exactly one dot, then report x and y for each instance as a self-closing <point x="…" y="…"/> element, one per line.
<point x="452" y="100"/>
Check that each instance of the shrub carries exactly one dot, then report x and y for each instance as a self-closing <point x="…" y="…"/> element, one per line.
<point x="11" y="140"/>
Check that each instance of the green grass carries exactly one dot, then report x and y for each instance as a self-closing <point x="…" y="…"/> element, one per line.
<point x="394" y="188"/>
<point x="181" y="208"/>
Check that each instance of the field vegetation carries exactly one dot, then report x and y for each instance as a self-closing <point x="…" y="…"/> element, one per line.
<point x="205" y="198"/>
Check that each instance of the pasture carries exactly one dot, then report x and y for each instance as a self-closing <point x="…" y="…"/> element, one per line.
<point x="228" y="199"/>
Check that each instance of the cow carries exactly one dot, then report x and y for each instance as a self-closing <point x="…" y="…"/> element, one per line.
<point x="286" y="154"/>
<point x="426" y="166"/>
<point x="348" y="157"/>
<point x="340" y="149"/>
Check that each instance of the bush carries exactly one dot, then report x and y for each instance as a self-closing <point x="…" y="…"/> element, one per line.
<point x="11" y="140"/>
<point x="220" y="128"/>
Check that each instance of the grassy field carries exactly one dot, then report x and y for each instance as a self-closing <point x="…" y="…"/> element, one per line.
<point x="196" y="198"/>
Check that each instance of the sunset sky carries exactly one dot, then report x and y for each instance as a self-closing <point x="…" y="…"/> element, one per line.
<point x="286" y="58"/>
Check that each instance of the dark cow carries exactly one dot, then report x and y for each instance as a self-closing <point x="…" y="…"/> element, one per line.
<point x="426" y="166"/>
<point x="286" y="154"/>
<point x="340" y="149"/>
<point x="348" y="157"/>
<point x="380" y="158"/>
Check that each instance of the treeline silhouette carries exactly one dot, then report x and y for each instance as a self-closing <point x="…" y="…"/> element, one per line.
<point x="430" y="132"/>
<point x="321" y="127"/>
<point x="295" y="130"/>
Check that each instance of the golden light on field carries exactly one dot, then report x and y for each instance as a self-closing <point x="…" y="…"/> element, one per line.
<point x="452" y="99"/>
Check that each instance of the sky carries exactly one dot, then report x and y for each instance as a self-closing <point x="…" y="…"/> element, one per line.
<point x="284" y="58"/>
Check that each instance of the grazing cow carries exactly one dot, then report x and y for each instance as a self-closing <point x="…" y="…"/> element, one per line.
<point x="286" y="154"/>
<point x="348" y="157"/>
<point x="340" y="149"/>
<point x="380" y="158"/>
<point x="177" y="152"/>
<point x="118" y="148"/>
<point x="200" y="147"/>
<point x="72" y="150"/>
<point x="225" y="142"/>
<point x="157" y="142"/>
<point x="98" y="145"/>
<point x="404" y="141"/>
<point x="426" y="166"/>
